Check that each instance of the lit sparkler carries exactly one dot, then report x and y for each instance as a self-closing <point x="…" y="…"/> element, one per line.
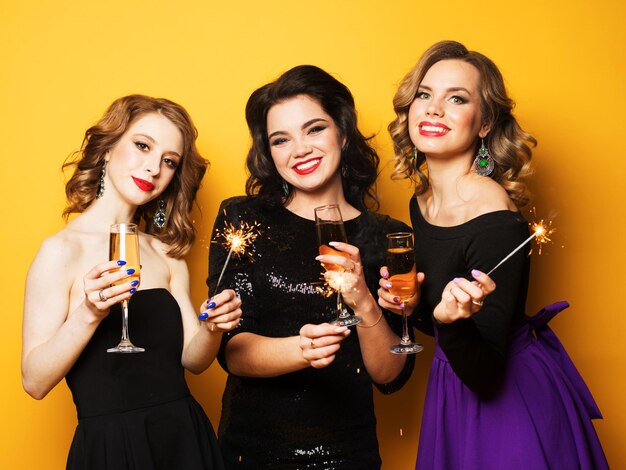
<point x="541" y="233"/>
<point x="336" y="281"/>
<point x="237" y="241"/>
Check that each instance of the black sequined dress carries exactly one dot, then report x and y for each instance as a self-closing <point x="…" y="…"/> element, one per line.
<point x="135" y="411"/>
<point x="312" y="418"/>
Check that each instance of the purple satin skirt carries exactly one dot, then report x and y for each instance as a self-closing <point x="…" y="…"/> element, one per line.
<point x="540" y="418"/>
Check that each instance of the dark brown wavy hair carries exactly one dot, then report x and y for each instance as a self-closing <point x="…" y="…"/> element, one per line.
<point x="359" y="161"/>
<point x="179" y="195"/>
<point x="507" y="142"/>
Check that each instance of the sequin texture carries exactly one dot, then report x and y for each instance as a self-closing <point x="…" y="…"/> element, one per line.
<point x="312" y="418"/>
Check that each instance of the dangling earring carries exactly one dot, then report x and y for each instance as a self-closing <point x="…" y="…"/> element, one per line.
<point x="285" y="188"/>
<point x="483" y="163"/>
<point x="159" y="216"/>
<point x="100" y="191"/>
<point x="344" y="170"/>
<point x="414" y="158"/>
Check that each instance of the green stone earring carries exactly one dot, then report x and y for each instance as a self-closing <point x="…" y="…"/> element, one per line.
<point x="483" y="163"/>
<point x="414" y="158"/>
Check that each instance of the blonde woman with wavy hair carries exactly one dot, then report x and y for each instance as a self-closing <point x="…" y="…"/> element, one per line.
<point x="502" y="392"/>
<point x="138" y="164"/>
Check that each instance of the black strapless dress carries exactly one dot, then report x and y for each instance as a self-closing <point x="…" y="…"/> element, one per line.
<point x="135" y="411"/>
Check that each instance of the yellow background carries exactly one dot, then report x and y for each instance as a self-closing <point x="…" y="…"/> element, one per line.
<point x="63" y="62"/>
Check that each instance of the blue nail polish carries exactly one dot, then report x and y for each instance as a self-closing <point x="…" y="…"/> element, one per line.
<point x="133" y="290"/>
<point x="203" y="316"/>
<point x="211" y="304"/>
<point x="135" y="283"/>
<point x="121" y="262"/>
<point x="130" y="271"/>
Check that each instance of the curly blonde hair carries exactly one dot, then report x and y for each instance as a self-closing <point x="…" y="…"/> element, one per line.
<point x="88" y="163"/>
<point x="507" y="142"/>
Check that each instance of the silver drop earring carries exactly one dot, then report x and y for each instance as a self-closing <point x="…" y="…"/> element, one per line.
<point x="285" y="188"/>
<point x="159" y="218"/>
<point x="100" y="191"/>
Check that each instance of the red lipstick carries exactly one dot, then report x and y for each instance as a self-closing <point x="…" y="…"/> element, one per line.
<point x="303" y="169"/>
<point x="433" y="129"/>
<point x="143" y="184"/>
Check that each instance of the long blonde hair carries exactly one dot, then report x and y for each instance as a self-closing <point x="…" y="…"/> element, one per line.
<point x="179" y="196"/>
<point x="507" y="142"/>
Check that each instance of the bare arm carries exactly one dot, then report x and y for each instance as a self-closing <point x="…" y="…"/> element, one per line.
<point x="202" y="338"/>
<point x="52" y="337"/>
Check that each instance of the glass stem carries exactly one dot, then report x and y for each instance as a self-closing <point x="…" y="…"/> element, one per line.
<point x="125" y="321"/>
<point x="405" y="330"/>
<point x="341" y="312"/>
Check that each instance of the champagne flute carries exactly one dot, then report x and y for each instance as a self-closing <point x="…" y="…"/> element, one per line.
<point x="400" y="262"/>
<point x="124" y="245"/>
<point x="329" y="225"/>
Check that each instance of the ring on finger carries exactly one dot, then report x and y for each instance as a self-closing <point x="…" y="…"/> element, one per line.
<point x="103" y="298"/>
<point x="312" y="343"/>
<point x="478" y="302"/>
<point x="212" y="327"/>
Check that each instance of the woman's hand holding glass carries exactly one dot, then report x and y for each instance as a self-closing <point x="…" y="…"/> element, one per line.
<point x="330" y="229"/>
<point x="392" y="302"/>
<point x="222" y="312"/>
<point x="462" y="298"/>
<point x="348" y="275"/>
<point x="103" y="287"/>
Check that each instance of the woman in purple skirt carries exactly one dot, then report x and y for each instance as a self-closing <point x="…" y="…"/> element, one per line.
<point x="502" y="393"/>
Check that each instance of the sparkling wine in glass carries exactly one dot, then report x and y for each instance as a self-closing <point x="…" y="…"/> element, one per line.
<point x="400" y="262"/>
<point x="329" y="225"/>
<point x="124" y="245"/>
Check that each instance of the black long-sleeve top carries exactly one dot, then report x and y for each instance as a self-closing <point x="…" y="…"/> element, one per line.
<point x="312" y="418"/>
<point x="475" y="347"/>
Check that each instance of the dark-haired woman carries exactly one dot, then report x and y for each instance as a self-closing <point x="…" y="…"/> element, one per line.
<point x="498" y="396"/>
<point x="139" y="164"/>
<point x="299" y="389"/>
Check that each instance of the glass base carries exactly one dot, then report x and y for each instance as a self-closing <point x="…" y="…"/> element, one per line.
<point x="408" y="348"/>
<point x="349" y="320"/>
<point x="125" y="347"/>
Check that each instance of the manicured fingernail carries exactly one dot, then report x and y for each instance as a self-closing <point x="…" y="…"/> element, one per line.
<point x="133" y="290"/>
<point x="476" y="273"/>
<point x="211" y="304"/>
<point x="203" y="316"/>
<point x="456" y="280"/>
<point x="318" y="258"/>
<point x="135" y="283"/>
<point x="121" y="262"/>
<point x="388" y="285"/>
<point x="130" y="271"/>
<point x="396" y="299"/>
<point x="401" y="305"/>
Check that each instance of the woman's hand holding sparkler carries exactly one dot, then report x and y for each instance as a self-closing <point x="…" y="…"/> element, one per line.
<point x="222" y="312"/>
<point x="462" y="298"/>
